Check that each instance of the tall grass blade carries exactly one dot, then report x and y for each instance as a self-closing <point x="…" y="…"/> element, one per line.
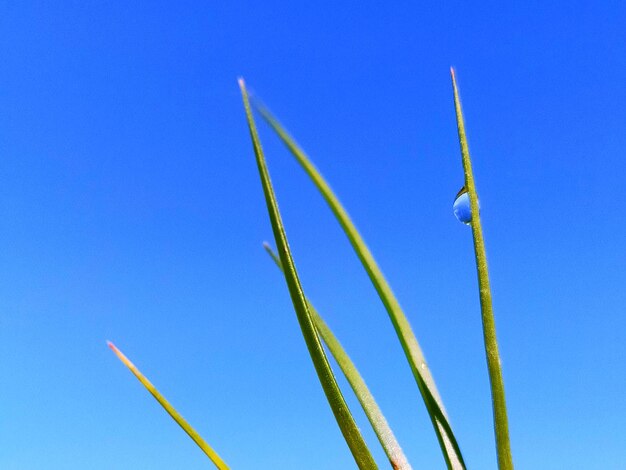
<point x="373" y="412"/>
<point x="211" y="454"/>
<point x="412" y="350"/>
<point x="337" y="403"/>
<point x="501" y="425"/>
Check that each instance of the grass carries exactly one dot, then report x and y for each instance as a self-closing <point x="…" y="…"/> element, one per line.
<point x="501" y="423"/>
<point x="316" y="332"/>
<point x="176" y="416"/>
<point x="349" y="429"/>
<point x="412" y="350"/>
<point x="383" y="431"/>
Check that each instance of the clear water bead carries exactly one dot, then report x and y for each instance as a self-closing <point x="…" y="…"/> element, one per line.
<point x="461" y="207"/>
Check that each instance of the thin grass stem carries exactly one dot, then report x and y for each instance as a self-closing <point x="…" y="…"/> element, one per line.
<point x="191" y="432"/>
<point x="373" y="412"/>
<point x="412" y="350"/>
<point x="347" y="425"/>
<point x="501" y="425"/>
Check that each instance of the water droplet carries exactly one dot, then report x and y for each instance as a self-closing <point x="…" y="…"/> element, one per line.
<point x="461" y="207"/>
<point x="423" y="366"/>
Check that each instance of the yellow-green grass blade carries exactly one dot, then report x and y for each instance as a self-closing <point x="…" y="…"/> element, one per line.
<point x="501" y="425"/>
<point x="344" y="418"/>
<point x="373" y="412"/>
<point x="412" y="350"/>
<point x="191" y="432"/>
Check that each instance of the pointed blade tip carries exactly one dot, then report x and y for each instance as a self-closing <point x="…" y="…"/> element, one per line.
<point x="242" y="85"/>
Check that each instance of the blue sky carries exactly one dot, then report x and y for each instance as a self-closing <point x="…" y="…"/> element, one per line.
<point x="131" y="210"/>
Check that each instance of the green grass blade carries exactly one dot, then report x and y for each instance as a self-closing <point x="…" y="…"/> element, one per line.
<point x="373" y="412"/>
<point x="337" y="403"/>
<point x="412" y="350"/>
<point x="219" y="463"/>
<point x="501" y="425"/>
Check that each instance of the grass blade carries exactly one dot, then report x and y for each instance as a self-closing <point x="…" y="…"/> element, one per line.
<point x="375" y="416"/>
<point x="219" y="463"/>
<point x="501" y="425"/>
<point x="337" y="403"/>
<point x="412" y="350"/>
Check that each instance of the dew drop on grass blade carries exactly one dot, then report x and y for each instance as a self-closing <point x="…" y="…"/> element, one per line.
<point x="462" y="208"/>
<point x="500" y="419"/>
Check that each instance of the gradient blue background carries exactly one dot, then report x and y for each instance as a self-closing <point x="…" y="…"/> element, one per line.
<point x="131" y="210"/>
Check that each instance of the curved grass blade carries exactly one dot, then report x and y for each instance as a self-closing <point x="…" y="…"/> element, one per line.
<point x="337" y="403"/>
<point x="211" y="454"/>
<point x="501" y="425"/>
<point x="375" y="416"/>
<point x="412" y="350"/>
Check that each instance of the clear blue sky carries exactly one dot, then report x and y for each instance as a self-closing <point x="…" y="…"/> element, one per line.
<point x="131" y="210"/>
